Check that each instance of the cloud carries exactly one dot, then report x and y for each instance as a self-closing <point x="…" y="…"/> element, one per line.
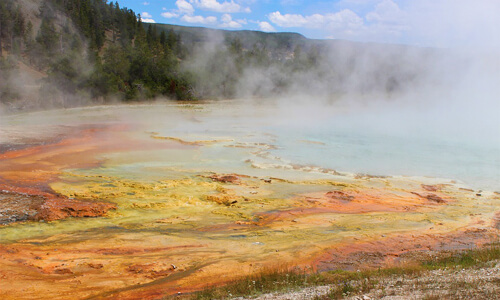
<point x="387" y="12"/>
<point x="224" y="7"/>
<point x="455" y="23"/>
<point x="184" y="7"/>
<point x="226" y="18"/>
<point x="200" y="19"/>
<point x="435" y="23"/>
<point x="384" y="22"/>
<point x="287" y="20"/>
<point x="169" y="15"/>
<point x="147" y="17"/>
<point x="342" y="19"/>
<point x="145" y="3"/>
<point x="266" y="27"/>
<point x="228" y="22"/>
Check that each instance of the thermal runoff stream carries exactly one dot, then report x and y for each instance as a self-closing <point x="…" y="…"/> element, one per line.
<point x="144" y="201"/>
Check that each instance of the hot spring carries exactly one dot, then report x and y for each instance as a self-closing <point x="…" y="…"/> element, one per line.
<point x="202" y="193"/>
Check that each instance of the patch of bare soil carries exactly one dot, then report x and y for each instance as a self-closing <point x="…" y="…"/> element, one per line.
<point x="449" y="283"/>
<point x="453" y="283"/>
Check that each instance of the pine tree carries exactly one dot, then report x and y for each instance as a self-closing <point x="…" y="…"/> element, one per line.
<point x="18" y="31"/>
<point x="2" y="20"/>
<point x="163" y="39"/>
<point x="47" y="35"/>
<point x="149" y="35"/>
<point x="6" y="23"/>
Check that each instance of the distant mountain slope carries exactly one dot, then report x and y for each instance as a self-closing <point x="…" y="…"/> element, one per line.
<point x="274" y="41"/>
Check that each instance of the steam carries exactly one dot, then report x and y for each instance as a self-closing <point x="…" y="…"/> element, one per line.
<point x="448" y="93"/>
<point x="27" y="88"/>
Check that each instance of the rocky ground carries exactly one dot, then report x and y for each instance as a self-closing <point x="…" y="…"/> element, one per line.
<point x="448" y="283"/>
<point x="19" y="207"/>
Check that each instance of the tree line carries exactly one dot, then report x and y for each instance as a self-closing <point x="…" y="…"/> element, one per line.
<point x="90" y="48"/>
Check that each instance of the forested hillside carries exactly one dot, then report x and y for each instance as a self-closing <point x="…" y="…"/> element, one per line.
<point x="74" y="52"/>
<point x="85" y="49"/>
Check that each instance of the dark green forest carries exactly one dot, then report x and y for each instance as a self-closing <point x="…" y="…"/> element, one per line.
<point x="95" y="51"/>
<point x="93" y="48"/>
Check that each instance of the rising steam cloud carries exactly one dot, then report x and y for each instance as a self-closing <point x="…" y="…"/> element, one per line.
<point x="449" y="89"/>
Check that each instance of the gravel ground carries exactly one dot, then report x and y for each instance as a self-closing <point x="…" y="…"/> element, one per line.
<point x="453" y="283"/>
<point x="16" y="207"/>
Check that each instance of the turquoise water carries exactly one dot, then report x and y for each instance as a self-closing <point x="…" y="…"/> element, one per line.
<point x="375" y="142"/>
<point x="344" y="139"/>
<point x="348" y="150"/>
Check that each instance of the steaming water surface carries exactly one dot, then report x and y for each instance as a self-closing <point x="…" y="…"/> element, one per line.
<point x="322" y="136"/>
<point x="349" y="150"/>
<point x="357" y="142"/>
